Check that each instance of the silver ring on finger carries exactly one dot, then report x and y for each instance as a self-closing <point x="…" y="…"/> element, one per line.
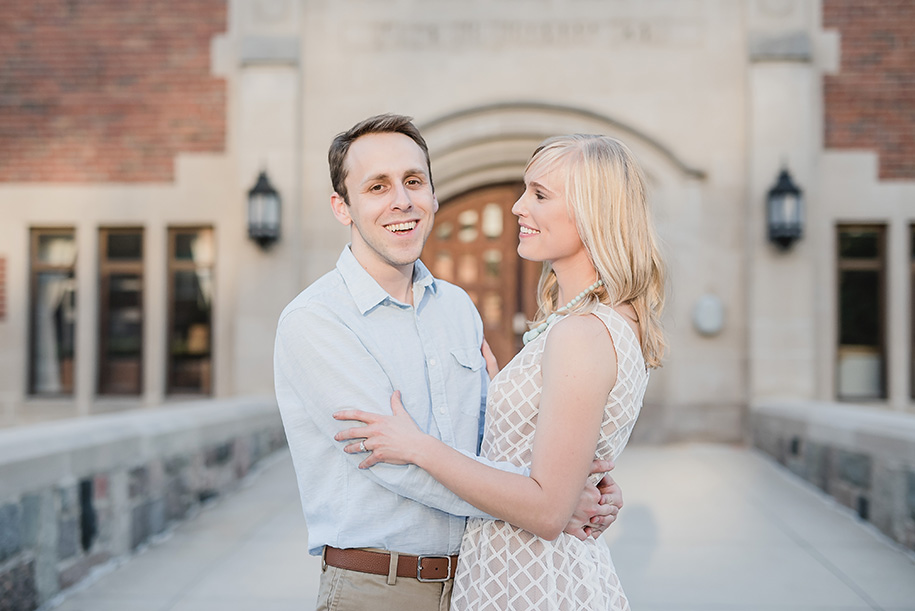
<point x="362" y="446"/>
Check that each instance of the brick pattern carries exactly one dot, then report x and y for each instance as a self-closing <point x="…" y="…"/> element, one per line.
<point x="870" y="103"/>
<point x="109" y="90"/>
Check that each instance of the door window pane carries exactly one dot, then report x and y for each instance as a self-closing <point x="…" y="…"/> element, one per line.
<point x="121" y="312"/>
<point x="443" y="266"/>
<point x="52" y="312"/>
<point x="467" y="269"/>
<point x="468" y="220"/>
<point x="125" y="246"/>
<point x="861" y="366"/>
<point x="57" y="249"/>
<point x="858" y="244"/>
<point x="492" y="263"/>
<point x="492" y="220"/>
<point x="190" y="310"/>
<point x="491" y="312"/>
<point x="859" y="306"/>
<point x="445" y="229"/>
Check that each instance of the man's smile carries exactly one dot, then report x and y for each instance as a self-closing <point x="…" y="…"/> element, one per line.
<point x="401" y="227"/>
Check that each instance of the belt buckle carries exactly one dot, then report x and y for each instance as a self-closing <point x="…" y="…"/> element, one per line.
<point x="419" y="569"/>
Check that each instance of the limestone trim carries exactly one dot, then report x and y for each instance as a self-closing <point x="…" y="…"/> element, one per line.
<point x="846" y="425"/>
<point x="36" y="456"/>
<point x="491" y="125"/>
<point x="780" y="47"/>
<point x="267" y="51"/>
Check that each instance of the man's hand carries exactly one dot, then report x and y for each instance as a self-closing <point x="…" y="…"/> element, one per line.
<point x="598" y="507"/>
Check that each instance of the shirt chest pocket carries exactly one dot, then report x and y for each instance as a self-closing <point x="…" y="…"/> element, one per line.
<point x="467" y="378"/>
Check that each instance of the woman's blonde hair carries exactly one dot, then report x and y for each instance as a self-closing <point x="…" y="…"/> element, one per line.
<point x="605" y="193"/>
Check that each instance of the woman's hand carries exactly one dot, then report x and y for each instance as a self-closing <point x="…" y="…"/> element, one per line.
<point x="492" y="365"/>
<point x="612" y="498"/>
<point x="391" y="439"/>
<point x="598" y="506"/>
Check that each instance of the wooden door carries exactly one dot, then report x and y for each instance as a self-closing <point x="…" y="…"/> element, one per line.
<point x="475" y="245"/>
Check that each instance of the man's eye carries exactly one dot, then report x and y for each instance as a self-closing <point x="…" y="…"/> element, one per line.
<point x="376" y="188"/>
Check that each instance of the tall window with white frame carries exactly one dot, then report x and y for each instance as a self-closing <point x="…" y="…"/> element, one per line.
<point x="52" y="311"/>
<point x="861" y="368"/>
<point x="190" y="310"/>
<point x="120" y="311"/>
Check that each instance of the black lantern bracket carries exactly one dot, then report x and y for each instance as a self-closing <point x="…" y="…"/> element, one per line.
<point x="785" y="211"/>
<point x="264" y="211"/>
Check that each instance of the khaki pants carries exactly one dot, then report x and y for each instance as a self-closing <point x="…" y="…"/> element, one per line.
<point x="343" y="590"/>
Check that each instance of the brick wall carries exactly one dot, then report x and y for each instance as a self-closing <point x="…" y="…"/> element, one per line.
<point x="870" y="103"/>
<point x="108" y="90"/>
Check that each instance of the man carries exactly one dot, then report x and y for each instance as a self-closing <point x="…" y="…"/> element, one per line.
<point x="377" y="323"/>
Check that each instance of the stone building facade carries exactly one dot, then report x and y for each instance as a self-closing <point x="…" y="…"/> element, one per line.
<point x="131" y="133"/>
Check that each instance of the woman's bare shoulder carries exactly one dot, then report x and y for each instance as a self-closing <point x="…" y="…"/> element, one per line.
<point x="580" y="348"/>
<point x="582" y="333"/>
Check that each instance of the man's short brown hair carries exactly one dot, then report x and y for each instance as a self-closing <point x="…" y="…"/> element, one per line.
<point x="379" y="124"/>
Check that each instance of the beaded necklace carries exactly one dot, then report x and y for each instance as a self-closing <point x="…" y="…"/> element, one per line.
<point x="536" y="331"/>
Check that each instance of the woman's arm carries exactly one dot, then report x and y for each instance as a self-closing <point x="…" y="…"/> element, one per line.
<point x="579" y="370"/>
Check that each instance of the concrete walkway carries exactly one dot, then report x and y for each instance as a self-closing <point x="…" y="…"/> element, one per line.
<point x="705" y="528"/>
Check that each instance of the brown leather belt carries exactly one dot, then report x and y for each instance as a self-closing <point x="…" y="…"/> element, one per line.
<point x="423" y="568"/>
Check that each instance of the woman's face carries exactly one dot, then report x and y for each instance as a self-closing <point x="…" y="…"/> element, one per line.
<point x="547" y="230"/>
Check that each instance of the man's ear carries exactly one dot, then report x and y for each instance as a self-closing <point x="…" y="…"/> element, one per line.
<point x="341" y="209"/>
<point x="434" y="204"/>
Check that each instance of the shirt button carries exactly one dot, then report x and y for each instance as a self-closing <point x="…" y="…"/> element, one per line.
<point x="441" y="410"/>
<point x="432" y="362"/>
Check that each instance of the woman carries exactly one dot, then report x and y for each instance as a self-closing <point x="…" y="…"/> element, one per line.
<point x="571" y="394"/>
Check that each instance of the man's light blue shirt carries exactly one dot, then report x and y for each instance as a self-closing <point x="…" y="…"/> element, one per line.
<point x="345" y="343"/>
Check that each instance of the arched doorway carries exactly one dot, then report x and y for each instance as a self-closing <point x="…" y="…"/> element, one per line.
<point x="474" y="245"/>
<point x="479" y="148"/>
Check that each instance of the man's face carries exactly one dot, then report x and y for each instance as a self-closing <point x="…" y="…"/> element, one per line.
<point x="391" y="204"/>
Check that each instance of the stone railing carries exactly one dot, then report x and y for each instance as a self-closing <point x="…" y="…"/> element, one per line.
<point x="864" y="457"/>
<point x="78" y="493"/>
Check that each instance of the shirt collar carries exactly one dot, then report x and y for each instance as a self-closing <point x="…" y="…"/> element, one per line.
<point x="367" y="293"/>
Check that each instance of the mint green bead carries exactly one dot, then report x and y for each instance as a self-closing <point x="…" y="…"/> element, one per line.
<point x="534" y="333"/>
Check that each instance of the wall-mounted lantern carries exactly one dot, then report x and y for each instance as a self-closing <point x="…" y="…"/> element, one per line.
<point x="785" y="211"/>
<point x="263" y="212"/>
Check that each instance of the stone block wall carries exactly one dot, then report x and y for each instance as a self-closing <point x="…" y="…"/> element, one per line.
<point x="76" y="495"/>
<point x="863" y="458"/>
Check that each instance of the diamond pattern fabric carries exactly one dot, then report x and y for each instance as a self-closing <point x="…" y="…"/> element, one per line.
<point x="502" y="567"/>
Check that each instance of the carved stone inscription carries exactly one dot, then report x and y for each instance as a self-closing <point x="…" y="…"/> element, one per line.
<point x="495" y="35"/>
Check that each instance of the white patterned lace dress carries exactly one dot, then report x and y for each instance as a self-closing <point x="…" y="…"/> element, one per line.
<point x="503" y="567"/>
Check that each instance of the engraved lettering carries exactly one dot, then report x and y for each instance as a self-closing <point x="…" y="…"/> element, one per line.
<point x="494" y="35"/>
